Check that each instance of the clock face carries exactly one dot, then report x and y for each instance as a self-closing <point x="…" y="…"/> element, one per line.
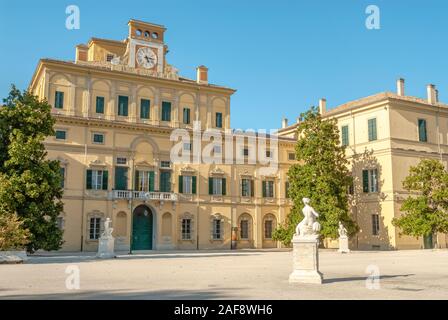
<point x="146" y="58"/>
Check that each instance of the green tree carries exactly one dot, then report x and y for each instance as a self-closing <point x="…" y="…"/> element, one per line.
<point x="30" y="185"/>
<point x="320" y="175"/>
<point x="425" y="211"/>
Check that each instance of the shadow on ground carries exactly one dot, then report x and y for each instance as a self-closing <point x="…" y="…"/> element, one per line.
<point x="364" y="278"/>
<point x="126" y="295"/>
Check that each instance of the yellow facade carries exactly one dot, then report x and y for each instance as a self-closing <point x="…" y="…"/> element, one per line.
<point x="98" y="101"/>
<point x="98" y="139"/>
<point x="396" y="147"/>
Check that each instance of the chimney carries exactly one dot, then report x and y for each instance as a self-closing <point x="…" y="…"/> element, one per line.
<point x="202" y="75"/>
<point x="298" y="119"/>
<point x="284" y="123"/>
<point x="400" y="87"/>
<point x="432" y="93"/>
<point x="81" y="52"/>
<point x="322" y="106"/>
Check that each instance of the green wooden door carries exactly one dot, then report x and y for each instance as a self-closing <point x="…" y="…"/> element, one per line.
<point x="121" y="178"/>
<point x="142" y="229"/>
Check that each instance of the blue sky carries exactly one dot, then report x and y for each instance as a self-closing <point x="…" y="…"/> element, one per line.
<point x="281" y="56"/>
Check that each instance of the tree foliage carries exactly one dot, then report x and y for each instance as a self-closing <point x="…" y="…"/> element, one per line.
<point x="425" y="211"/>
<point x="321" y="174"/>
<point x="30" y="185"/>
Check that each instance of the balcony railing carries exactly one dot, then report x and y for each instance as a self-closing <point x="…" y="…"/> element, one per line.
<point x="144" y="195"/>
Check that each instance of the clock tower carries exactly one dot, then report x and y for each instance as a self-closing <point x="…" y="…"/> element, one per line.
<point x="146" y="47"/>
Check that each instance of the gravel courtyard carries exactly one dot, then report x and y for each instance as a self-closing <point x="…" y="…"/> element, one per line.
<point x="249" y="274"/>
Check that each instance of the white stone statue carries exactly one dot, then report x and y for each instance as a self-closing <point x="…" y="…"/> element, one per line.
<point x="309" y="225"/>
<point x="107" y="233"/>
<point x="106" y="243"/>
<point x="342" y="231"/>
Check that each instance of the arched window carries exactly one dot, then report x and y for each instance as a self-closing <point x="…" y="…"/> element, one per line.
<point x="166" y="224"/>
<point x="245" y="224"/>
<point x="269" y="225"/>
<point x="217" y="227"/>
<point x="120" y="226"/>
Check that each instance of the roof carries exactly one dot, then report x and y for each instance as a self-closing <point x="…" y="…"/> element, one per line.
<point x="107" y="69"/>
<point x="382" y="96"/>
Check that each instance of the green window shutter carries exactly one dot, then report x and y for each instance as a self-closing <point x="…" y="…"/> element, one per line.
<point x="105" y="179"/>
<point x="252" y="188"/>
<point x="59" y="100"/>
<point x="151" y="180"/>
<point x="193" y="188"/>
<point x="99" y="105"/>
<point x="181" y="184"/>
<point x="218" y="120"/>
<point x="210" y="185"/>
<point x="166" y="111"/>
<point x="144" y="108"/>
<point x="136" y="180"/>
<point x="372" y="129"/>
<point x="89" y="180"/>
<point x="344" y="133"/>
<point x="263" y="185"/>
<point x="422" y="134"/>
<point x="123" y="102"/>
<point x="223" y="186"/>
<point x="287" y="189"/>
<point x="365" y="181"/>
<point x="186" y="116"/>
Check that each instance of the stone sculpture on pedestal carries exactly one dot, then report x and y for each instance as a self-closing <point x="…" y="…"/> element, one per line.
<point x="106" y="242"/>
<point x="305" y="248"/>
<point x="343" y="239"/>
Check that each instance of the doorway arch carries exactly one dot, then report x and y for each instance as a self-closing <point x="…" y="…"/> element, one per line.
<point x="142" y="228"/>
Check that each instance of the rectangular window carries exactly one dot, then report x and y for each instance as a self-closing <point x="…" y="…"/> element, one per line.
<point x="344" y="136"/>
<point x="165" y="181"/>
<point x="268" y="189"/>
<point x="99" y="105"/>
<point x="166" y="111"/>
<point x="144" y="180"/>
<point x="97" y="180"/>
<point x="144" y="108"/>
<point x="422" y="134"/>
<point x="245" y="152"/>
<point x="217" y="186"/>
<point x="187" y="146"/>
<point x="165" y="164"/>
<point x="186" y="229"/>
<point x="375" y="224"/>
<point x="268" y="229"/>
<point x="59" y="100"/>
<point x="291" y="156"/>
<point x="62" y="172"/>
<point x="122" y="160"/>
<point x="268" y="154"/>
<point x="109" y="57"/>
<point x="372" y="129"/>
<point x="186" y="114"/>
<point x="95" y="226"/>
<point x="98" y="138"/>
<point x="244" y="229"/>
<point x="121" y="178"/>
<point x="370" y="180"/>
<point x="123" y="103"/>
<point x="218" y="120"/>
<point x="187" y="184"/>
<point x="61" y="134"/>
<point x="247" y="188"/>
<point x="217" y="229"/>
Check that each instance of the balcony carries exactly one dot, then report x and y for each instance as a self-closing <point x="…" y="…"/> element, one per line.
<point x="143" y="195"/>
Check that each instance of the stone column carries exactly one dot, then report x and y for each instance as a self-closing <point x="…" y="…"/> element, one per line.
<point x="305" y="260"/>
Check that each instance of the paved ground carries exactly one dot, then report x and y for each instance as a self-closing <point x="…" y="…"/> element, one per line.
<point x="248" y="274"/>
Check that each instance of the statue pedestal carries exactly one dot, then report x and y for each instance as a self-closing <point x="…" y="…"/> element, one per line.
<point x="305" y="260"/>
<point x="106" y="248"/>
<point x="343" y="244"/>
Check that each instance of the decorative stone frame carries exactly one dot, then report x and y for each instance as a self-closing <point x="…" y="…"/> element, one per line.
<point x="246" y="216"/>
<point x="269" y="217"/>
<point x="183" y="216"/>
<point x="90" y="215"/>
<point x="213" y="218"/>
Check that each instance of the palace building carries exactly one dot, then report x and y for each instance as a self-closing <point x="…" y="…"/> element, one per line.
<point x="385" y="134"/>
<point x="116" y="107"/>
<point x="120" y="102"/>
